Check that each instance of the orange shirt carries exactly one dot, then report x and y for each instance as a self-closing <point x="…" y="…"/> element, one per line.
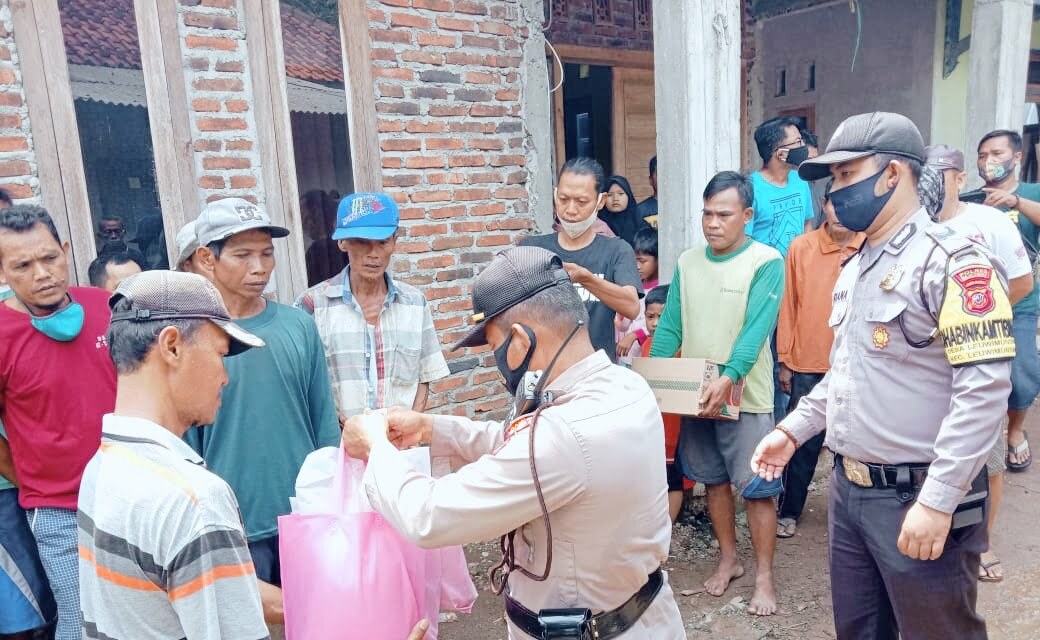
<point x="803" y="338"/>
<point x="671" y="420"/>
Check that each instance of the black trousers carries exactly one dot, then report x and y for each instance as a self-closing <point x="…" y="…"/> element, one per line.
<point x="880" y="594"/>
<point x="799" y="471"/>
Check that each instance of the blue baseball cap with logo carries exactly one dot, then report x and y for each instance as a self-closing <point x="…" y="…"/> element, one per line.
<point x="366" y="216"/>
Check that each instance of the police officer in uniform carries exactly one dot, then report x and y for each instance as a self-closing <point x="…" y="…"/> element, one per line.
<point x="912" y="404"/>
<point x="574" y="485"/>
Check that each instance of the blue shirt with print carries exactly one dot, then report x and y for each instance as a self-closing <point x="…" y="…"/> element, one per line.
<point x="780" y="212"/>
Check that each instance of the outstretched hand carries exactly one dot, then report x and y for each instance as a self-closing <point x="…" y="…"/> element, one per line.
<point x="771" y="455"/>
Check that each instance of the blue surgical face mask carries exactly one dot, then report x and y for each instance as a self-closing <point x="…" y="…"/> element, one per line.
<point x="63" y="325"/>
<point x="856" y="205"/>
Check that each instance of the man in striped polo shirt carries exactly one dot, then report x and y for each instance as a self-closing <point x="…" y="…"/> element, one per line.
<point x="162" y="549"/>
<point x="722" y="305"/>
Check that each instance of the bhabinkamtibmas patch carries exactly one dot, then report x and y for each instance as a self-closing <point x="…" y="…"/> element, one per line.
<point x="975" y="319"/>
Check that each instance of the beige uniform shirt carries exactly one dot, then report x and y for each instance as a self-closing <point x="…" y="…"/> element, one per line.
<point x="891" y="399"/>
<point x="600" y="459"/>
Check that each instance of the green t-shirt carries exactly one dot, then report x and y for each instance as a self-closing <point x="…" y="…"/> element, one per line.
<point x="1031" y="238"/>
<point x="724" y="308"/>
<point x="276" y="409"/>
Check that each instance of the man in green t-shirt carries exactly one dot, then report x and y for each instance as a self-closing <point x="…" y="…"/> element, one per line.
<point x="277" y="407"/>
<point x="1000" y="156"/>
<point x="722" y="305"/>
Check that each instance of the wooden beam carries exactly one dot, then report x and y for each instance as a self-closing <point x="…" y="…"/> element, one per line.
<point x="604" y="57"/>
<point x="361" y="101"/>
<point x="167" y="115"/>
<point x="274" y="138"/>
<point x="559" y="123"/>
<point x="52" y="117"/>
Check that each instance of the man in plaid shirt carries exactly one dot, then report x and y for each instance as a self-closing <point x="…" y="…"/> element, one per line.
<point x="380" y="343"/>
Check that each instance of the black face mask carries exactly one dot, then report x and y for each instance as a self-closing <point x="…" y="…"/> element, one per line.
<point x="797" y="156"/>
<point x="856" y="205"/>
<point x="513" y="377"/>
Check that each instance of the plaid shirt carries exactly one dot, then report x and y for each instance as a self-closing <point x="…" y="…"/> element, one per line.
<point x="375" y="366"/>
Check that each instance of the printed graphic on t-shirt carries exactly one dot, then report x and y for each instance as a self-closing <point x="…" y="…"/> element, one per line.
<point x="586" y="295"/>
<point x="788" y="219"/>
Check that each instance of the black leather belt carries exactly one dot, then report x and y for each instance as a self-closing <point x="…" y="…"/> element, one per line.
<point x="904" y="477"/>
<point x="603" y="626"/>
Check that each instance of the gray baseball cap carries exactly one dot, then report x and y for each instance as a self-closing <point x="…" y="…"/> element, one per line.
<point x="223" y="218"/>
<point x="187" y="243"/>
<point x="864" y="135"/>
<point x="943" y="156"/>
<point x="513" y="276"/>
<point x="156" y="296"/>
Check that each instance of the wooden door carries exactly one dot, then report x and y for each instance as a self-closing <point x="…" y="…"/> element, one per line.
<point x="635" y="127"/>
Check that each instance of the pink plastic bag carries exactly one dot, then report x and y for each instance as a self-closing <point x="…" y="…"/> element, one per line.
<point x="351" y="576"/>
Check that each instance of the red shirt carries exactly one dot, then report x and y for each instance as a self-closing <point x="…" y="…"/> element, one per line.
<point x="52" y="397"/>
<point x="671" y="420"/>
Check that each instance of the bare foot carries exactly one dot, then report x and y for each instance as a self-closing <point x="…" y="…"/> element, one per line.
<point x="763" y="601"/>
<point x="727" y="571"/>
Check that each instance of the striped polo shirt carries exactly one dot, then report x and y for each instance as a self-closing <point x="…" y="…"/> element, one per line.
<point x="162" y="551"/>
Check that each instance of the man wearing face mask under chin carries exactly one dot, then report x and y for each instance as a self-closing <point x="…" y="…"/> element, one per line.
<point x="912" y="404"/>
<point x="574" y="485"/>
<point x="603" y="269"/>
<point x="56" y="382"/>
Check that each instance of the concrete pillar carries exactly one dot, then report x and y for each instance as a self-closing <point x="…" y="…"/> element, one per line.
<point x="998" y="62"/>
<point x="537" y="108"/>
<point x="697" y="84"/>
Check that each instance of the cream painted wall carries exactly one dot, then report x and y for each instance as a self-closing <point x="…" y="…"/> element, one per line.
<point x="950" y="95"/>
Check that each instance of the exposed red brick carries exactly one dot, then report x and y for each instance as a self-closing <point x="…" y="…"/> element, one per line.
<point x="494" y="241"/>
<point x="400" y="36"/>
<point x="486" y="144"/>
<point x="240" y="145"/>
<point x="511" y="193"/>
<point x="18" y="191"/>
<point x="445" y="178"/>
<point x="410" y="20"/>
<point x="390" y="126"/>
<point x="481" y="42"/>
<point x="434" y="126"/>
<point x="243" y="182"/>
<point x="468" y="6"/>
<point x="236" y="106"/>
<point x="10" y="121"/>
<point x="6" y="76"/>
<point x="486" y="177"/>
<point x="508" y="160"/>
<point x="221" y="124"/>
<point x="431" y="196"/>
<point x="205" y="104"/>
<point x="507" y="95"/>
<point x="433" y="144"/>
<point x="487" y="111"/>
<point x="401" y="144"/>
<point x="412" y="247"/>
<point x="5" y="52"/>
<point x="455" y="24"/>
<point x="482" y="77"/>
<point x="455" y="305"/>
<point x="466" y="161"/>
<point x="222" y="162"/>
<point x="452" y="242"/>
<point x="497" y="28"/>
<point x="392" y="163"/>
<point x="467" y="227"/>
<point x="436" y="262"/>
<point x="435" y="40"/>
<point x="10" y="99"/>
<point x="456" y="57"/>
<point x="210" y="21"/>
<point x="441" y="110"/>
<point x="408" y="180"/>
<point x="230" y="66"/>
<point x="220" y="4"/>
<point x="447" y="212"/>
<point x="10" y="168"/>
<point x="466" y="195"/>
<point x="206" y="144"/>
<point x="220" y="43"/>
<point x="432" y="5"/>
<point x="425" y="162"/>
<point x="494" y="208"/>
<point x="384" y="53"/>
<point x="423" y="57"/>
<point x="448" y="384"/>
<point x="391" y="91"/>
<point x="212" y="182"/>
<point x="218" y="84"/>
<point x="13" y="143"/>
<point x="396" y="73"/>
<point x="427" y="230"/>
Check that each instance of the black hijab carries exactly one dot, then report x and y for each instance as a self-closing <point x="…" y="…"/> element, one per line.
<point x="625" y="223"/>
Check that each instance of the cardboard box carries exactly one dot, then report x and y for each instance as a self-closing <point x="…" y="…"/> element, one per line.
<point x="679" y="382"/>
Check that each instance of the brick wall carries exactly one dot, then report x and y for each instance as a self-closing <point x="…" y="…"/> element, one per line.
<point x="213" y="48"/>
<point x="449" y="81"/>
<point x="17" y="164"/>
<point x="577" y="27"/>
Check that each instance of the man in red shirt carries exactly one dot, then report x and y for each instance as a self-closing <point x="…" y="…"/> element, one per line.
<point x="56" y="382"/>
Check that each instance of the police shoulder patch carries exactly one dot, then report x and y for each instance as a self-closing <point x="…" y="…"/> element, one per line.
<point x="950" y="242"/>
<point x="975" y="318"/>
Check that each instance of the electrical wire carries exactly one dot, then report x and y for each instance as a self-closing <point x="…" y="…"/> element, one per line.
<point x="559" y="62"/>
<point x="857" y="9"/>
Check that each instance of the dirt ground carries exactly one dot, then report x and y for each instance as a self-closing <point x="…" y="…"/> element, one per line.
<point x="1011" y="608"/>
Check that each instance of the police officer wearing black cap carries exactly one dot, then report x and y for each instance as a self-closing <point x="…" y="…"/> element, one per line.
<point x="574" y="485"/>
<point x="912" y="404"/>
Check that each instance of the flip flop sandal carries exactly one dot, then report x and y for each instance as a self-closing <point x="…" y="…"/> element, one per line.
<point x="985" y="577"/>
<point x="1023" y="447"/>
<point x="786" y="527"/>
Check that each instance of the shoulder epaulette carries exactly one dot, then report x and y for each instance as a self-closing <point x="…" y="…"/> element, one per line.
<point x="949" y="241"/>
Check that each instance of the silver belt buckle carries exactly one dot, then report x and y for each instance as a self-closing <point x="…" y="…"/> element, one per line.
<point x="857" y="472"/>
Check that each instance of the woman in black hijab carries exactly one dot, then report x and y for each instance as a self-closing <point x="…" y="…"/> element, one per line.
<point x="621" y="211"/>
